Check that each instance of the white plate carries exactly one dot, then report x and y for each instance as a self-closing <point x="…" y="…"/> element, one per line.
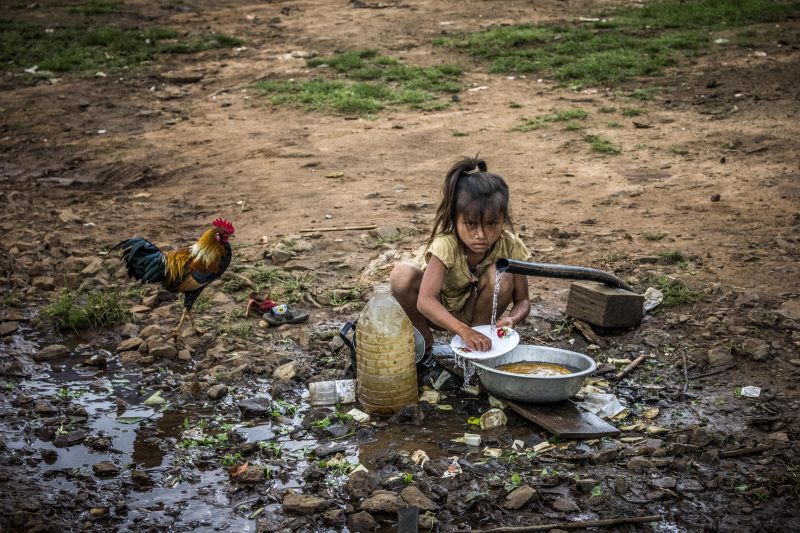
<point x="501" y="345"/>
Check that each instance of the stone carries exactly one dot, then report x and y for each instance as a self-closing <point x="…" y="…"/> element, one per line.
<point x="150" y="331"/>
<point x="361" y="484"/>
<point x="94" y="266"/>
<point x="606" y="455"/>
<point x="621" y="485"/>
<point x="689" y="485"/>
<point x="565" y="505"/>
<point x="304" y="504"/>
<point x="756" y="348"/>
<point x="141" y="478"/>
<point x="73" y="437"/>
<point x="185" y="355"/>
<point x="130" y="358"/>
<point x="334" y="517"/>
<point x="129" y="330"/>
<point x="45" y="283"/>
<point x="44" y="408"/>
<point x="252" y="474"/>
<point x="54" y="351"/>
<point x="360" y="522"/>
<point x="105" y="469"/>
<point x="284" y="372"/>
<point x="217" y="392"/>
<point x="385" y="233"/>
<point x="790" y="309"/>
<point x="131" y="344"/>
<point x="414" y="498"/>
<point x="256" y="408"/>
<point x="280" y="257"/>
<point x="162" y="350"/>
<point x="7" y="328"/>
<point x="719" y="356"/>
<point x="150" y="301"/>
<point x="383" y="501"/>
<point x="639" y="465"/>
<point x="96" y="360"/>
<point x="181" y="76"/>
<point x="664" y="482"/>
<point x="139" y="310"/>
<point x="519" y="497"/>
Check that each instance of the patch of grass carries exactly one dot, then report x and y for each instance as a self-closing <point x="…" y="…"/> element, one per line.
<point x="285" y="287"/>
<point x="673" y="257"/>
<point x="515" y="105"/>
<point x="89" y="49"/>
<point x="238" y="330"/>
<point x="530" y="124"/>
<point x="601" y="145"/>
<point x="97" y="7"/>
<point x="608" y="110"/>
<point x="203" y="303"/>
<point x="79" y="310"/>
<point x="457" y="133"/>
<point x="341" y="296"/>
<point x="678" y="150"/>
<point x="676" y="293"/>
<point x="573" y="126"/>
<point x="614" y="125"/>
<point x="644" y="94"/>
<point x="632" y="112"/>
<point x="371" y="83"/>
<point x="628" y="42"/>
<point x="653" y="235"/>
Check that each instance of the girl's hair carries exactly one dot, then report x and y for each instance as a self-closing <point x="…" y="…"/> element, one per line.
<point x="469" y="188"/>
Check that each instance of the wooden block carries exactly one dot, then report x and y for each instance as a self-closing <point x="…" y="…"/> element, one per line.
<point x="604" y="306"/>
<point x="564" y="419"/>
<point x="408" y="520"/>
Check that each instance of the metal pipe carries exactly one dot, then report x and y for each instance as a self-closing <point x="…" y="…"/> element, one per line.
<point x="549" y="270"/>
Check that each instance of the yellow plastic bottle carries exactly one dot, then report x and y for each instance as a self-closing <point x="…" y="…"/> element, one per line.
<point x="385" y="356"/>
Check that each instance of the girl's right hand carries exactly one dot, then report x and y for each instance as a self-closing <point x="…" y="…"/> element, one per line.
<point x="476" y="341"/>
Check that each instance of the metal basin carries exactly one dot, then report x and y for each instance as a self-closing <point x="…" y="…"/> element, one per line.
<point x="535" y="388"/>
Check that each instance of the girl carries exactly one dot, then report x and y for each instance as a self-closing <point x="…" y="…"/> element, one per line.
<point x="454" y="290"/>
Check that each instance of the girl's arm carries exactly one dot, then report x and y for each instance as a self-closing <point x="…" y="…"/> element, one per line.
<point x="522" y="303"/>
<point x="429" y="304"/>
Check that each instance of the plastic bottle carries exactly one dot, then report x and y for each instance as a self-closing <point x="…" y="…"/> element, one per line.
<point x="332" y="392"/>
<point x="385" y="355"/>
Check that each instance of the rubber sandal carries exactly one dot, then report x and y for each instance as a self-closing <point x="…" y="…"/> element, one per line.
<point x="281" y="314"/>
<point x="260" y="303"/>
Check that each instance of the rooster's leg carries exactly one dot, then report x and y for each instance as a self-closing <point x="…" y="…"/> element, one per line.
<point x="180" y="323"/>
<point x="197" y="330"/>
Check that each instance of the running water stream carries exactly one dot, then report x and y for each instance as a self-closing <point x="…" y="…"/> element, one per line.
<point x="462" y="362"/>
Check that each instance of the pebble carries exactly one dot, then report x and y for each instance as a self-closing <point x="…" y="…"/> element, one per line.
<point x="383" y="501"/>
<point x="639" y="465"/>
<point x="217" y="392"/>
<point x="565" y="505"/>
<point x="7" y="328"/>
<point x="415" y="498"/>
<point x="105" y="469"/>
<point x="689" y="485"/>
<point x="284" y="372"/>
<point x="519" y="497"/>
<point x="362" y="521"/>
<point x="304" y="504"/>
<point x="54" y="351"/>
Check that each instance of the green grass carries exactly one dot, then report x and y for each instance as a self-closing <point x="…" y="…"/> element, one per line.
<point x="602" y="145"/>
<point x="97" y="7"/>
<point x="614" y="125"/>
<point x="284" y="287"/>
<point x="676" y="293"/>
<point x="629" y="42"/>
<point x="535" y="123"/>
<point x="370" y="83"/>
<point x="514" y="105"/>
<point x="653" y="236"/>
<point x="89" y="49"/>
<point x="573" y="126"/>
<point x="644" y="94"/>
<point x="632" y="112"/>
<point x="78" y="310"/>
<point x="674" y="257"/>
<point x="608" y="110"/>
<point x="458" y="133"/>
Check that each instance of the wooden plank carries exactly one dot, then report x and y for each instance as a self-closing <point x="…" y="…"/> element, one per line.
<point x="604" y="306"/>
<point x="408" y="520"/>
<point x="564" y="419"/>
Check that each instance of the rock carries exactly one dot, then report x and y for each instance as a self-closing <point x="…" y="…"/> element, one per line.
<point x="130" y="358"/>
<point x="304" y="504"/>
<point x="98" y="360"/>
<point x="334" y="517"/>
<point x="639" y="465"/>
<point x="252" y="474"/>
<point x="181" y="76"/>
<point x="140" y="311"/>
<point x="73" y="437"/>
<point x="129" y="330"/>
<point x="54" y="351"/>
<point x="621" y="485"/>
<point x="519" y="497"/>
<point x="408" y="415"/>
<point x="280" y="257"/>
<point x="383" y="501"/>
<point x="655" y="338"/>
<point x="330" y="448"/>
<point x="94" y="266"/>
<point x="150" y="331"/>
<point x="385" y="233"/>
<point x="44" y="408"/>
<point x="45" y="283"/>
<point x="185" y="355"/>
<point x="362" y="483"/>
<point x="105" y="469"/>
<point x="756" y="348"/>
<point x="790" y="309"/>
<point x="141" y="479"/>
<point x="256" y="408"/>
<point x="7" y="328"/>
<point x="414" y="498"/>
<point x="218" y="391"/>
<point x="360" y="522"/>
<point x="284" y="372"/>
<point x="689" y="485"/>
<point x="220" y="298"/>
<point x="719" y="356"/>
<point x="700" y="437"/>
<point x="565" y="505"/>
<point x="150" y="301"/>
<point x="163" y="350"/>
<point x="131" y="344"/>
<point x="664" y="482"/>
<point x="606" y="455"/>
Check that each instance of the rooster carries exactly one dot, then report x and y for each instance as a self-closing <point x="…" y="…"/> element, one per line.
<point x="187" y="270"/>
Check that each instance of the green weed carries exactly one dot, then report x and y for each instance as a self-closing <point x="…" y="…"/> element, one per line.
<point x="514" y="105"/>
<point x="231" y="459"/>
<point x="628" y="42"/>
<point x="513" y="482"/>
<point x="608" y="110"/>
<point x="97" y="7"/>
<point x="678" y="150"/>
<point x="530" y="124"/>
<point x="673" y="257"/>
<point x="676" y="293"/>
<point x="644" y="94"/>
<point x="573" y="126"/>
<point x="240" y="330"/>
<point x="457" y="133"/>
<point x="631" y="112"/>
<point x="202" y="303"/>
<point x="601" y="145"/>
<point x="342" y="296"/>
<point x="653" y="235"/>
<point x="372" y="83"/>
<point x="78" y="310"/>
<point x="285" y="287"/>
<point x="89" y="49"/>
<point x="614" y="125"/>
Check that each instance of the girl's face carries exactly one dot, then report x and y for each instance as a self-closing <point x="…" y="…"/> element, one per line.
<point x="479" y="234"/>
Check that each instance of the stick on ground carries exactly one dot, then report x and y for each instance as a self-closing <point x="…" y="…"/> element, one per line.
<point x="340" y="228"/>
<point x="569" y="525"/>
<point x="633" y="364"/>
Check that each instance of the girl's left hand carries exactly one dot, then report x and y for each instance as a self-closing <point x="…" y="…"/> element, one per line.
<point x="505" y="322"/>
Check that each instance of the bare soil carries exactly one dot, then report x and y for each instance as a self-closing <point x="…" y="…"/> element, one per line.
<point x="712" y="166"/>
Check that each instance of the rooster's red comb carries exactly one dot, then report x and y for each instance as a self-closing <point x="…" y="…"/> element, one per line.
<point x="223" y="224"/>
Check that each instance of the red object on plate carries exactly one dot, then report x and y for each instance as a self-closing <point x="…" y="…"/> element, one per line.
<point x="500" y="333"/>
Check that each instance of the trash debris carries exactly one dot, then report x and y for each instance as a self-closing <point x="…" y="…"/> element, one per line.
<point x="492" y="452"/>
<point x="420" y="457"/>
<point x="359" y="416"/>
<point x="155" y="399"/>
<point x="472" y="439"/>
<point x="472" y="389"/>
<point x="518" y="445"/>
<point x="332" y="392"/>
<point x="441" y="380"/>
<point x="750" y="391"/>
<point x="493" y="418"/>
<point x="444" y="407"/>
<point x="652" y="297"/>
<point x="430" y="396"/>
<point x="543" y="447"/>
<point x="651" y="413"/>
<point x="602" y="405"/>
<point x="454" y="469"/>
<point x="656" y="430"/>
<point x="496" y="402"/>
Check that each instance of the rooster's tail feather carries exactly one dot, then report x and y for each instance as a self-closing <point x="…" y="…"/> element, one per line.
<point x="143" y="259"/>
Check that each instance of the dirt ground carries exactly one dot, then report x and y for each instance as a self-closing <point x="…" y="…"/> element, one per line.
<point x="88" y="160"/>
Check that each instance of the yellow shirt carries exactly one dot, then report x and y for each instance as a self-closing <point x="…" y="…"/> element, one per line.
<point x="459" y="280"/>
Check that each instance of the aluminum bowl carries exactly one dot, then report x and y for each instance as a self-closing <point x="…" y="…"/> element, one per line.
<point x="540" y="389"/>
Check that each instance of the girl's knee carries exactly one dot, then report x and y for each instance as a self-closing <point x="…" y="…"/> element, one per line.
<point x="405" y="277"/>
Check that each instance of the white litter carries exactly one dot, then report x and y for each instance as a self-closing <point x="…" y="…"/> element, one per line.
<point x="652" y="297"/>
<point x="602" y="405"/>
<point x="751" y="392"/>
